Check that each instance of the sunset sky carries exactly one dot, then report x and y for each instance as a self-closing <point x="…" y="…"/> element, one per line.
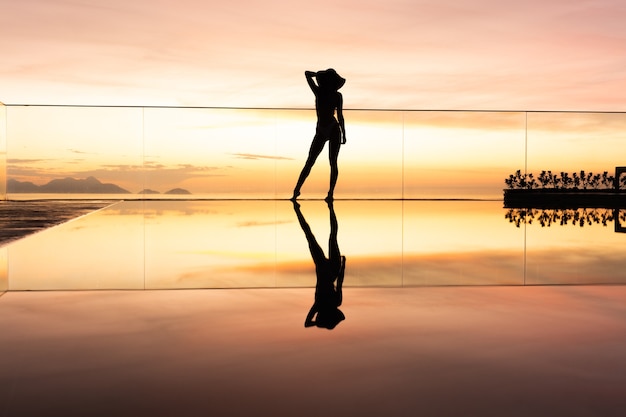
<point x="415" y="54"/>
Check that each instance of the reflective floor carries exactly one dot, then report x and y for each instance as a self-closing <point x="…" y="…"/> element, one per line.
<point x="432" y="351"/>
<point x="441" y="308"/>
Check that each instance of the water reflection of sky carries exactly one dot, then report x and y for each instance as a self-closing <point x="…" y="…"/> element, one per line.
<point x="249" y="244"/>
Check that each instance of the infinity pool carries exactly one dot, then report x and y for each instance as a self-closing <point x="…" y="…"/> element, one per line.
<point x="442" y="300"/>
<point x="260" y="244"/>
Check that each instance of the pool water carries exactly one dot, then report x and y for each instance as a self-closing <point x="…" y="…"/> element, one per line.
<point x="262" y="244"/>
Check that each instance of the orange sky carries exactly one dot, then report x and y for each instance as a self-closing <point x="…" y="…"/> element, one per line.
<point x="427" y="54"/>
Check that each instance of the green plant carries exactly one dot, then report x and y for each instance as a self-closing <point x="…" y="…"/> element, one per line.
<point x="576" y="181"/>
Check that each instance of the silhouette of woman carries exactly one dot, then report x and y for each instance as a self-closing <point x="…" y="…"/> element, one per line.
<point x="325" y="311"/>
<point x="327" y="100"/>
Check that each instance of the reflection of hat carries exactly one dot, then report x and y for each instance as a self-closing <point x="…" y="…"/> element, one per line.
<point x="330" y="78"/>
<point x="329" y="319"/>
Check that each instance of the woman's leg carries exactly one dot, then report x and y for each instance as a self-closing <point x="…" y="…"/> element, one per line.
<point x="316" y="149"/>
<point x="333" y="154"/>
<point x="333" y="245"/>
<point x="316" y="250"/>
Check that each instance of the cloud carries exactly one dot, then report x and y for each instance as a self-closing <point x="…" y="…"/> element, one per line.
<point x="254" y="223"/>
<point x="159" y="175"/>
<point x="257" y="156"/>
<point x="33" y="170"/>
<point x="78" y="152"/>
<point x="148" y="164"/>
<point x="20" y="161"/>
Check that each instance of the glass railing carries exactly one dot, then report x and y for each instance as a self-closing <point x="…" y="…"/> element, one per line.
<point x="258" y="153"/>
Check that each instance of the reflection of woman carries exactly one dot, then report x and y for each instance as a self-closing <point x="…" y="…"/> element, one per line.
<point x="327" y="100"/>
<point x="325" y="311"/>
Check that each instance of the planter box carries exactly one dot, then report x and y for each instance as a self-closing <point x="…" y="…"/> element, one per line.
<point x="562" y="198"/>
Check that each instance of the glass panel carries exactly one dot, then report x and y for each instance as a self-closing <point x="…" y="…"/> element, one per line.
<point x="373" y="242"/>
<point x="570" y="244"/>
<point x="575" y="246"/>
<point x="461" y="154"/>
<point x="571" y="142"/>
<point x="369" y="235"/>
<point x="461" y="243"/>
<point x="3" y="151"/>
<point x="102" y="250"/>
<point x="4" y="274"/>
<point x="294" y="133"/>
<point x="370" y="163"/>
<point x="210" y="244"/>
<point x="211" y="153"/>
<point x="3" y="189"/>
<point x="74" y="152"/>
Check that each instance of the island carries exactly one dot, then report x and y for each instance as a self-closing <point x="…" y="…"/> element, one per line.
<point x="180" y="191"/>
<point x="89" y="185"/>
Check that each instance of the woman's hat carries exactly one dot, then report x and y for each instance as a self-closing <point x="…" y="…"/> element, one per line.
<point x="330" y="78"/>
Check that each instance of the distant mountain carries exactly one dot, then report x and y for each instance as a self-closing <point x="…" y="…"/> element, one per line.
<point x="14" y="186"/>
<point x="148" y="191"/>
<point x="88" y="185"/>
<point x="177" y="191"/>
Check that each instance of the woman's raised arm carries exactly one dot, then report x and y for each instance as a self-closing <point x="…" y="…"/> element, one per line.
<point x="309" y="78"/>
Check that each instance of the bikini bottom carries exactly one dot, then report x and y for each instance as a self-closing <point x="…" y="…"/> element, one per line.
<point x="327" y="129"/>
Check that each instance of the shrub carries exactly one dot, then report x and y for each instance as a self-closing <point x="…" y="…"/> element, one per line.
<point x="576" y="181"/>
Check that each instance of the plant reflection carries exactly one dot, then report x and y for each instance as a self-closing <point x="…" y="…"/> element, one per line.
<point x="566" y="216"/>
<point x="325" y="311"/>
